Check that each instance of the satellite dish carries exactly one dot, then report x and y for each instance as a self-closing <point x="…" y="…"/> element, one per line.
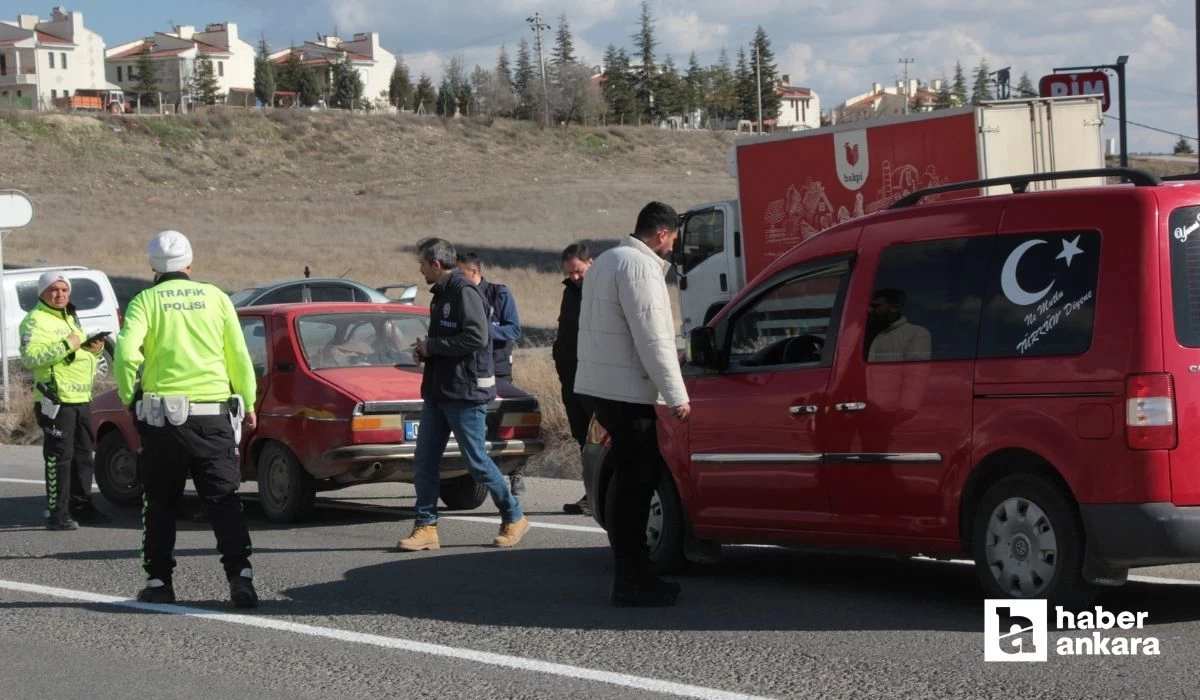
<point x="16" y="211"/>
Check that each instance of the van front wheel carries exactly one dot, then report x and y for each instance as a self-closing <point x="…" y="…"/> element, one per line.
<point x="1028" y="543"/>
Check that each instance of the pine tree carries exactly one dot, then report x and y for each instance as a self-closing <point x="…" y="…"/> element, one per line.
<point x="1025" y="87"/>
<point x="503" y="69"/>
<point x="723" y="87"/>
<point x="981" y="90"/>
<point x="564" y="45"/>
<point x="204" y="83"/>
<point x="694" y="86"/>
<point x="447" y="101"/>
<point x="747" y="104"/>
<point x="147" y="77"/>
<point x="945" y="98"/>
<point x="668" y="95"/>
<point x="1183" y="147"/>
<point x="765" y="75"/>
<point x="465" y="97"/>
<point x="523" y="81"/>
<point x="644" y="42"/>
<point x="426" y="96"/>
<point x="347" y="92"/>
<point x="400" y="89"/>
<point x="960" y="84"/>
<point x="308" y="92"/>
<point x="619" y="90"/>
<point x="287" y="76"/>
<point x="264" y="75"/>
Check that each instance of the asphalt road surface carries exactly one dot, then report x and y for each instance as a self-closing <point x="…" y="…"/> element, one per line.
<point x="345" y="615"/>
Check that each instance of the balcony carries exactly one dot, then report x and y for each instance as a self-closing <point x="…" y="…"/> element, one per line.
<point x="25" y="76"/>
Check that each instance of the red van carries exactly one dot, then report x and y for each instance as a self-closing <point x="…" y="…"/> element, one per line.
<point x="1000" y="378"/>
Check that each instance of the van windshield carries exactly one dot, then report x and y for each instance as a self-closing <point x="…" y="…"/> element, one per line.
<point x="85" y="294"/>
<point x="1184" y="229"/>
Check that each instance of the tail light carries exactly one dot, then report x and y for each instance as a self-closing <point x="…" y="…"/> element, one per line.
<point x="120" y="318"/>
<point x="1150" y="412"/>
<point x="519" y="426"/>
<point x="381" y="421"/>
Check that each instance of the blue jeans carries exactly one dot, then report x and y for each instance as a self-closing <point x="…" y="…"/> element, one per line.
<point x="468" y="421"/>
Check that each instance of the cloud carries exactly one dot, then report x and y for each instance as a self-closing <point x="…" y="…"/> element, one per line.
<point x="684" y="32"/>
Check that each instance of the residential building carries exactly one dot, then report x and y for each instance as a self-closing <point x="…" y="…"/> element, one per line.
<point x="799" y="107"/>
<point x="903" y="98"/>
<point x="175" y="54"/>
<point x="373" y="63"/>
<point x="42" y="61"/>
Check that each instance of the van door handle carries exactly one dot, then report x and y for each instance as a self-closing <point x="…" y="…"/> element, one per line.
<point x="853" y="406"/>
<point x="802" y="409"/>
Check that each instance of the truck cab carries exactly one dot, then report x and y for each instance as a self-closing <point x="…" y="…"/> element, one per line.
<point x="708" y="258"/>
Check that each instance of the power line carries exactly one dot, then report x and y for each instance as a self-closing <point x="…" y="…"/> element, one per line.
<point x="1162" y="131"/>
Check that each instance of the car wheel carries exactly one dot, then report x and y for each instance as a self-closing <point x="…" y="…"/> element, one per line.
<point x="1028" y="543"/>
<point x="463" y="493"/>
<point x="285" y="490"/>
<point x="116" y="470"/>
<point x="664" y="527"/>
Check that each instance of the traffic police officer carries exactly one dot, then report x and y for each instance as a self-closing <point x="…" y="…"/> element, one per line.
<point x="63" y="370"/>
<point x="194" y="352"/>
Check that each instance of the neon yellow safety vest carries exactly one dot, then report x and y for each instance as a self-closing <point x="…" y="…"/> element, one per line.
<point x="46" y="352"/>
<point x="189" y="337"/>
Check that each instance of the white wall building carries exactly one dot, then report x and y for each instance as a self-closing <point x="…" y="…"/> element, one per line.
<point x="175" y="54"/>
<point x="42" y="61"/>
<point x="373" y="63"/>
<point x="799" y="107"/>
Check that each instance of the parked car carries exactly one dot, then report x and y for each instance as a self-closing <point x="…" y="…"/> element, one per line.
<point x="91" y="293"/>
<point x="307" y="290"/>
<point x="399" y="292"/>
<point x="1023" y="411"/>
<point x="339" y="404"/>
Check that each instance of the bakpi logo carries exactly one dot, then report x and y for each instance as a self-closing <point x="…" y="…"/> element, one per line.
<point x="853" y="161"/>
<point x="1014" y="630"/>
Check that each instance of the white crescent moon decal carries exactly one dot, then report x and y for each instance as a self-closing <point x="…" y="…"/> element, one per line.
<point x="1008" y="278"/>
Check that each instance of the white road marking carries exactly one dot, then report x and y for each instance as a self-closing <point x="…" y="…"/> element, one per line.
<point x="483" y="657"/>
<point x="547" y="526"/>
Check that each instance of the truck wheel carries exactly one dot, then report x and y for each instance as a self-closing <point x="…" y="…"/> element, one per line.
<point x="664" y="527"/>
<point x="463" y="493"/>
<point x="116" y="470"/>
<point x="285" y="490"/>
<point x="1028" y="543"/>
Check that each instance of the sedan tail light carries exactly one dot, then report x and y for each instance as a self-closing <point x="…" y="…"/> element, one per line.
<point x="519" y="426"/>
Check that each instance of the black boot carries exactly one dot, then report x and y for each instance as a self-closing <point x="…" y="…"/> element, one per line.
<point x="61" y="522"/>
<point x="88" y="514"/>
<point x="241" y="591"/>
<point x="162" y="593"/>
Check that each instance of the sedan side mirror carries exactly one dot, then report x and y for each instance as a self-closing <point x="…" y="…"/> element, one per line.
<point x="702" y="348"/>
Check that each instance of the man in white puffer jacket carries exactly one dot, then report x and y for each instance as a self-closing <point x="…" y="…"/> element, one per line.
<point x="627" y="359"/>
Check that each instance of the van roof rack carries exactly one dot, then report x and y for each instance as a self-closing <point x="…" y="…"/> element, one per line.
<point x="1184" y="176"/>
<point x="1020" y="183"/>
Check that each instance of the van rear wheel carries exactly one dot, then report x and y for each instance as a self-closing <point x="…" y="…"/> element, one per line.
<point x="1028" y="543"/>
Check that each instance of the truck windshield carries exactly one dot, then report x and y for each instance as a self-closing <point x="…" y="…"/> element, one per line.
<point x="703" y="237"/>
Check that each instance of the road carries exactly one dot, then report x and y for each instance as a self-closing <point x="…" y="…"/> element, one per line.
<point x="345" y="615"/>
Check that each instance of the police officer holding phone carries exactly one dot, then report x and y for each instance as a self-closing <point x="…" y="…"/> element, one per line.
<point x="63" y="360"/>
<point x="189" y="420"/>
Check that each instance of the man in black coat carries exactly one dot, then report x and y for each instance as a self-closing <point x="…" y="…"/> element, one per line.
<point x="576" y="259"/>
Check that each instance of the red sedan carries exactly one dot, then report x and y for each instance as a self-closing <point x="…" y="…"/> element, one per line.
<point x="339" y="404"/>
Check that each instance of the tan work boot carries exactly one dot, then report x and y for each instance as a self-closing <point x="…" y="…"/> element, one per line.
<point x="423" y="537"/>
<point x="511" y="533"/>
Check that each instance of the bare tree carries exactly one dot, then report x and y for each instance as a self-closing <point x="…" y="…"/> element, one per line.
<point x="576" y="95"/>
<point x="494" y="95"/>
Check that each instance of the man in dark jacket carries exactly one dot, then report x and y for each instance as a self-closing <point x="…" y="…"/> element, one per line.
<point x="576" y="259"/>
<point x="505" y="329"/>
<point x="457" y="385"/>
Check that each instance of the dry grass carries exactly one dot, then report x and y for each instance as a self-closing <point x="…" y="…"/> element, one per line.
<point x="533" y="371"/>
<point x="18" y="425"/>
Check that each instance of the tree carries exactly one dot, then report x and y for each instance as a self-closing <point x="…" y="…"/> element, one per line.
<point x="644" y="42"/>
<point x="980" y="89"/>
<point x="1025" y="87"/>
<point x="694" y="86"/>
<point x="576" y="96"/>
<point x="347" y="87"/>
<point x="945" y="98"/>
<point x="723" y="88"/>
<point x="147" y="77"/>
<point x="765" y="74"/>
<point x="619" y="90"/>
<point x="493" y="93"/>
<point x="294" y="76"/>
<point x="447" y="100"/>
<point x="426" y="96"/>
<point x="523" y="81"/>
<point x="264" y="75"/>
<point x="747" y="104"/>
<point x="400" y="88"/>
<point x="308" y="93"/>
<point x="960" y="84"/>
<point x="204" y="83"/>
<point x="504" y="69"/>
<point x="564" y="45"/>
<point x="668" y="90"/>
<point x="1183" y="147"/>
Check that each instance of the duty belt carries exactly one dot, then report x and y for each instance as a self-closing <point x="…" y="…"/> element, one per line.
<point x="209" y="409"/>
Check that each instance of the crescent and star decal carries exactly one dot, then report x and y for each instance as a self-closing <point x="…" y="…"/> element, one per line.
<point x="1008" y="275"/>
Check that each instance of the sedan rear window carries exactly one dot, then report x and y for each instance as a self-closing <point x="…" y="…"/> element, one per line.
<point x="369" y="339"/>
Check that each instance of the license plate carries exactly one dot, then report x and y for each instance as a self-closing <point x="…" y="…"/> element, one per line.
<point x="411" y="428"/>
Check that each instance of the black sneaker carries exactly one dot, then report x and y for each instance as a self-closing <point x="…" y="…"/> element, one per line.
<point x="90" y="515"/>
<point x="579" y="507"/>
<point x="61" y="522"/>
<point x="518" y="483"/>
<point x="242" y="593"/>
<point x="162" y="593"/>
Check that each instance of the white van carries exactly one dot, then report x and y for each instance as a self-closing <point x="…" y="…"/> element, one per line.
<point x="91" y="293"/>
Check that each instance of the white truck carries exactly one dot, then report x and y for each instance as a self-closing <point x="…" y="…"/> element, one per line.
<point x="792" y="186"/>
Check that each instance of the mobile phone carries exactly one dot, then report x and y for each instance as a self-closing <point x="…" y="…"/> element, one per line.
<point x="99" y="336"/>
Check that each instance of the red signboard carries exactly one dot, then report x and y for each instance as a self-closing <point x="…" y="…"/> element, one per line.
<point x="1065" y="84"/>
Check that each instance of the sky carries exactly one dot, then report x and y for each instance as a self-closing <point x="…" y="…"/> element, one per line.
<point x="836" y="47"/>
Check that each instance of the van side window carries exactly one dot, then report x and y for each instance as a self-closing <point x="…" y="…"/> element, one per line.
<point x="1185" y="275"/>
<point x="789" y="324"/>
<point x="85" y="294"/>
<point x="1041" y="295"/>
<point x="703" y="237"/>
<point x="926" y="300"/>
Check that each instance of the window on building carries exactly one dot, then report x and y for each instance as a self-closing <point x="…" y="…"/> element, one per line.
<point x="54" y="94"/>
<point x="66" y="93"/>
<point x="63" y="56"/>
<point x="3" y="64"/>
<point x="120" y="74"/>
<point x="51" y="59"/>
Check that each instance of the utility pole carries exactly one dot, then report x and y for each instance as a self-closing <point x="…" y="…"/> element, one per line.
<point x="537" y="26"/>
<point x="758" y="81"/>
<point x="907" y="61"/>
